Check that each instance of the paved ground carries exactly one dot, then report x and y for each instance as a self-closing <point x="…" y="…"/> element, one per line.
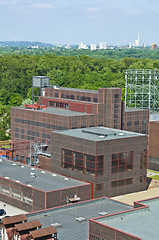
<point x="153" y="191"/>
<point x="11" y="210"/>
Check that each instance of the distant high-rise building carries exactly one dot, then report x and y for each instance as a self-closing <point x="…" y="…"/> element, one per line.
<point x="82" y="46"/>
<point x="102" y="45"/>
<point x="154" y="46"/>
<point x="137" y="41"/>
<point x="93" y="47"/>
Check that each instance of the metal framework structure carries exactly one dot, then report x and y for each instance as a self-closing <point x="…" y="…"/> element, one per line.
<point x="142" y="89"/>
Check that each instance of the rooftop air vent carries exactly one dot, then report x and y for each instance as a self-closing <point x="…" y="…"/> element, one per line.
<point x="103" y="213"/>
<point x="32" y="168"/>
<point x="13" y="164"/>
<point x="6" y="177"/>
<point x="54" y="175"/>
<point x="0" y="160"/>
<point x="17" y="181"/>
<point x="56" y="225"/>
<point x="102" y="136"/>
<point x="29" y="185"/>
<point x="42" y="171"/>
<point x="121" y="134"/>
<point x="22" y="166"/>
<point x="80" y="219"/>
<point x="66" y="179"/>
<point x="33" y="174"/>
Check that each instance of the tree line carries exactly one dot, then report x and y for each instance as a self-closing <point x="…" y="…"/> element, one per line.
<point x="16" y="72"/>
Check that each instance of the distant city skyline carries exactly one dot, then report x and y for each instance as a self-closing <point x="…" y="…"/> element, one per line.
<point x="72" y="21"/>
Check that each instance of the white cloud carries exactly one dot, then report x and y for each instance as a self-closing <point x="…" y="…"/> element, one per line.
<point x="94" y="9"/>
<point x="42" y="6"/>
<point x="10" y="3"/>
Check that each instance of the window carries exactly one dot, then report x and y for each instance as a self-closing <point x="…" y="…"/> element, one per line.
<point x="16" y="129"/>
<point x="116" y="95"/>
<point x="16" y="135"/>
<point x="99" y="186"/>
<point x="22" y="130"/>
<point x="128" y="123"/>
<point x="95" y="100"/>
<point x="78" y="97"/>
<point x="82" y="162"/>
<point x="56" y="95"/>
<point x="71" y="96"/>
<point x="136" y="122"/>
<point x="122" y="162"/>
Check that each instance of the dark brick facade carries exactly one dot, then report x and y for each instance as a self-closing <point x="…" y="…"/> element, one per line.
<point x="31" y="199"/>
<point x="97" y="108"/>
<point x="115" y="175"/>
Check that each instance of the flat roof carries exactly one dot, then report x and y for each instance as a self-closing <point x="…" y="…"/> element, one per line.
<point x="76" y="89"/>
<point x="56" y="111"/>
<point x="66" y="217"/>
<point x="131" y="109"/>
<point x="142" y="223"/>
<point x="98" y="133"/>
<point x="44" y="180"/>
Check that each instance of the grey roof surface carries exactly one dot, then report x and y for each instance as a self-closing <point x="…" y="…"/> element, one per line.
<point x="45" y="181"/>
<point x="57" y="111"/>
<point x="77" y="90"/>
<point x="154" y="116"/>
<point x="129" y="109"/>
<point x="98" y="133"/>
<point x="142" y="223"/>
<point x="66" y="216"/>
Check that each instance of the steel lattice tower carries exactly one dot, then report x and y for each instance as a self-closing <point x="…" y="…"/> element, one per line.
<point x="142" y="88"/>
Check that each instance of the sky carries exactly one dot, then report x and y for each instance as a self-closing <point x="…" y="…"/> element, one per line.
<point x="74" y="21"/>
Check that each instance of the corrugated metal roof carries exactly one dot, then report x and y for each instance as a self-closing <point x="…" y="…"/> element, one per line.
<point x="14" y="219"/>
<point x="28" y="225"/>
<point x="43" y="232"/>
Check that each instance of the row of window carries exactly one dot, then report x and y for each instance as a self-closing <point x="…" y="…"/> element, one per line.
<point x="82" y="162"/>
<point x="136" y="123"/>
<point x="80" y="98"/>
<point x="17" y="194"/>
<point x="22" y="136"/>
<point x="92" y="237"/>
<point x="121" y="182"/>
<point x="39" y="124"/>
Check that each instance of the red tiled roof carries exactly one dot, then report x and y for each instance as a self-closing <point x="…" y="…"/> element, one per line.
<point x="14" y="219"/>
<point x="43" y="232"/>
<point x="28" y="225"/>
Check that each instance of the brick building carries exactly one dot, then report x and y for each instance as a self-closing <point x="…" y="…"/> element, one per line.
<point x="32" y="189"/>
<point x="153" y="145"/>
<point x="134" y="224"/>
<point x="66" y="108"/>
<point x="114" y="161"/>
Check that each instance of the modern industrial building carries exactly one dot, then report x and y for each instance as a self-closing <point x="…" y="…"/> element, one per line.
<point x="99" y="219"/>
<point x="114" y="161"/>
<point x="33" y="189"/>
<point x="66" y="108"/>
<point x="134" y="224"/>
<point x="72" y="221"/>
<point x="153" y="145"/>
